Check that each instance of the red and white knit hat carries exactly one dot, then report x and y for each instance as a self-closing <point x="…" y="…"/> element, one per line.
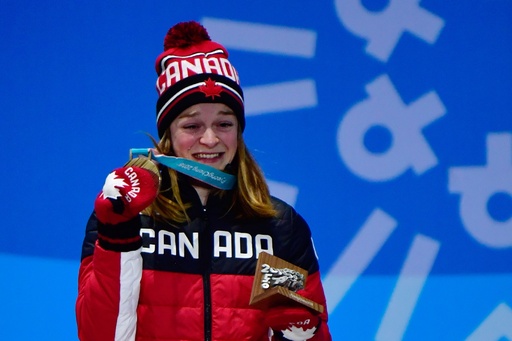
<point x="191" y="70"/>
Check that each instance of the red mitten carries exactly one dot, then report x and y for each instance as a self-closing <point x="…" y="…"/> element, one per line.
<point x="126" y="192"/>
<point x="294" y="323"/>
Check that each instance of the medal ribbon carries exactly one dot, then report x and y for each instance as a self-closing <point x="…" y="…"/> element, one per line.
<point x="210" y="175"/>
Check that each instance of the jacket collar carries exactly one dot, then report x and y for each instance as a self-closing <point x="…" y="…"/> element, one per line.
<point x="218" y="204"/>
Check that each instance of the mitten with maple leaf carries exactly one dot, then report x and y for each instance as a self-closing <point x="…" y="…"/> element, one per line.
<point x="293" y="323"/>
<point x="127" y="191"/>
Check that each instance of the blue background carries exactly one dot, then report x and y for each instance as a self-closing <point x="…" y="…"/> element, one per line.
<point x="78" y="91"/>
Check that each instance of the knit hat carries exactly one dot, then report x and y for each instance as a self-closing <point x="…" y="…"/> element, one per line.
<point x="191" y="70"/>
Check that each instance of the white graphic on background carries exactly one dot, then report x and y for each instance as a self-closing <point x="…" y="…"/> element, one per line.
<point x="278" y="97"/>
<point x="357" y="256"/>
<point x="287" y="193"/>
<point x="407" y="291"/>
<point x="496" y="327"/>
<point x="270" y="39"/>
<point x="262" y="38"/>
<point x="384" y="29"/>
<point x="476" y="185"/>
<point x="384" y="108"/>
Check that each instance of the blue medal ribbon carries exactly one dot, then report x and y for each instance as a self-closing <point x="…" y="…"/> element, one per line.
<point x="210" y="175"/>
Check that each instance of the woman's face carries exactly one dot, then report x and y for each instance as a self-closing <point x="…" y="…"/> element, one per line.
<point x="207" y="133"/>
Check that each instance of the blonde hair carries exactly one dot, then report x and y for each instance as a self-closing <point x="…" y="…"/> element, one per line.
<point x="251" y="197"/>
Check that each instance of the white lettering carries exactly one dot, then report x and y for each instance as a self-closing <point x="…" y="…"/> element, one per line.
<point x="161" y="84"/>
<point x="212" y="65"/>
<point x="178" y="70"/>
<point x="166" y="241"/>
<point x="134" y="181"/>
<point x="228" y="69"/>
<point x="239" y="245"/>
<point x="222" y="242"/>
<point x="172" y="73"/>
<point x="192" y="246"/>
<point x="151" y="234"/>
<point x="195" y="67"/>
<point x="243" y="241"/>
<point x="263" y="242"/>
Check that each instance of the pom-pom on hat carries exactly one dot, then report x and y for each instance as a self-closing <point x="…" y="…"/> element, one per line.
<point x="191" y="70"/>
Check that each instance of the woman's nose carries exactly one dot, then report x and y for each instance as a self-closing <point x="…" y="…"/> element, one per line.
<point x="209" y="138"/>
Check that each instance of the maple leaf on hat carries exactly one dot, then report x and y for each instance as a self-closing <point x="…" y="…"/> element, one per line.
<point x="211" y="88"/>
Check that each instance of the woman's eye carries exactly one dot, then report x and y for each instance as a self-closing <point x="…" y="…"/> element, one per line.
<point x="226" y="124"/>
<point x="190" y="126"/>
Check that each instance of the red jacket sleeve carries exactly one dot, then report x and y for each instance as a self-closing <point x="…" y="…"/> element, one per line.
<point x="108" y="293"/>
<point x="315" y="292"/>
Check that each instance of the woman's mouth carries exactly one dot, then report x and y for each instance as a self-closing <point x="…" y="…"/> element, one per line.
<point x="207" y="157"/>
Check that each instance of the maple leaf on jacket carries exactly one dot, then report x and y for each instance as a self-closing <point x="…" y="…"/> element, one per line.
<point x="211" y="88"/>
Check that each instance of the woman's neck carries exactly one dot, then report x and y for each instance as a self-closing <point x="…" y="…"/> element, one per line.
<point x="203" y="193"/>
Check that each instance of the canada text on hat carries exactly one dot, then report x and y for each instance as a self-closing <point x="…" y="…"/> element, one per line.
<point x="191" y="70"/>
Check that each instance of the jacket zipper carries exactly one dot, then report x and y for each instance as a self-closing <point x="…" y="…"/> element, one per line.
<point x="207" y="308"/>
<point x="206" y="282"/>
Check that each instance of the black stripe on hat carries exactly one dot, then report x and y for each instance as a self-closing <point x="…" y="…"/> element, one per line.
<point x="189" y="91"/>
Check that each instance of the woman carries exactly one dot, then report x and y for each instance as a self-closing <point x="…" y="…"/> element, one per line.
<point x="171" y="249"/>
